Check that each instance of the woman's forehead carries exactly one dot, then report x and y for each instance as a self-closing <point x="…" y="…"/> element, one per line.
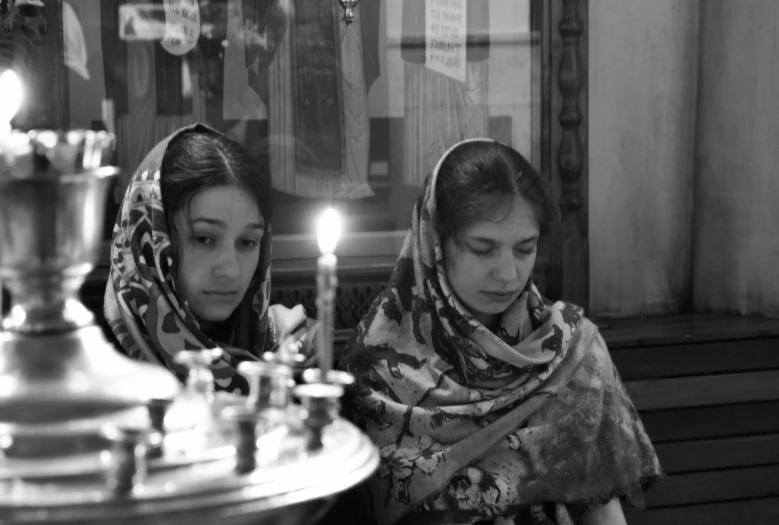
<point x="513" y="224"/>
<point x="225" y="203"/>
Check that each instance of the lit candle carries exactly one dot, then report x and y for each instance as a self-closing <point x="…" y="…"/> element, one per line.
<point x="329" y="230"/>
<point x="11" y="96"/>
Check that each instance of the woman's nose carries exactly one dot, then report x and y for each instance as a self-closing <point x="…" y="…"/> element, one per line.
<point x="227" y="266"/>
<point x="506" y="269"/>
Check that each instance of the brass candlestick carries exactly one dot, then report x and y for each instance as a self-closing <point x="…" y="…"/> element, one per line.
<point x="54" y="360"/>
<point x="88" y="436"/>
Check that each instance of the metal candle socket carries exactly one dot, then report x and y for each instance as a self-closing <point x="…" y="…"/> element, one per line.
<point x="317" y="400"/>
<point x="269" y="384"/>
<point x="127" y="464"/>
<point x="334" y="377"/>
<point x="200" y="379"/>
<point x="245" y="419"/>
<point x="157" y="409"/>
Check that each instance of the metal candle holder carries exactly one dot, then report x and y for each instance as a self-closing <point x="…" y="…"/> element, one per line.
<point x="89" y="436"/>
<point x="348" y="7"/>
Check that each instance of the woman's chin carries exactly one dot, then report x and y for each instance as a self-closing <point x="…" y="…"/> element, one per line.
<point x="496" y="307"/>
<point x="215" y="315"/>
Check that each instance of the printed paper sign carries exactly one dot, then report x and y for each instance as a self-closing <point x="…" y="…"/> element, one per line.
<point x="445" y="32"/>
<point x="182" y="26"/>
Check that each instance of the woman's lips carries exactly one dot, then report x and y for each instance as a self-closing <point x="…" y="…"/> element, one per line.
<point x="499" y="295"/>
<point x="221" y="294"/>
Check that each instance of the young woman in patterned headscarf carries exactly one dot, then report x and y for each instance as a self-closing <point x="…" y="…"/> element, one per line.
<point x="191" y="256"/>
<point x="489" y="403"/>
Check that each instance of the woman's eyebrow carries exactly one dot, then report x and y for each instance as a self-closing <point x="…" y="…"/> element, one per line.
<point x="532" y="238"/>
<point x="486" y="240"/>
<point x="221" y="224"/>
<point x="210" y="221"/>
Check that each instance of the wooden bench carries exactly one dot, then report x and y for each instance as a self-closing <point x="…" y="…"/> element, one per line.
<point x="707" y="389"/>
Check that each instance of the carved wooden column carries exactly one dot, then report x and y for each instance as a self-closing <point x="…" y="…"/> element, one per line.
<point x="572" y="246"/>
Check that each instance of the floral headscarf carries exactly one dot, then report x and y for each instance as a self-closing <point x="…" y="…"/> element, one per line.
<point x="528" y="425"/>
<point x="141" y="304"/>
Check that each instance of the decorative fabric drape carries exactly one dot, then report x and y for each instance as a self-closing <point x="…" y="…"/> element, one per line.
<point x="74" y="42"/>
<point x="683" y="189"/>
<point x="736" y="239"/>
<point x="440" y="111"/>
<point x="142" y="127"/>
<point x="318" y="104"/>
<point x="643" y="60"/>
<point x="254" y="30"/>
<point x="154" y="94"/>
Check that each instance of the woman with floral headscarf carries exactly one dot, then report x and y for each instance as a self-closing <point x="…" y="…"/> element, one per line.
<point x="489" y="403"/>
<point x="191" y="256"/>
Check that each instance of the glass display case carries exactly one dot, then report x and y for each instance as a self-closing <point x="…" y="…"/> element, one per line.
<point x="348" y="104"/>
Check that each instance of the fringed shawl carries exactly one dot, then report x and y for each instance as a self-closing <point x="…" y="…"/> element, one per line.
<point x="530" y="424"/>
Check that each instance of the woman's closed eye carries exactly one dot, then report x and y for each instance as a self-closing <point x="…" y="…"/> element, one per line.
<point x="522" y="251"/>
<point x="526" y="250"/>
<point x="483" y="252"/>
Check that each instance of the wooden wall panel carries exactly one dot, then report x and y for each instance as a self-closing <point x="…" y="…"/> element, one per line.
<point x="680" y="392"/>
<point x="700" y="358"/>
<point x="763" y="511"/>
<point x="711" y="422"/>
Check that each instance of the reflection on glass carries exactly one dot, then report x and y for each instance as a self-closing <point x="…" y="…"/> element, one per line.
<point x="354" y="116"/>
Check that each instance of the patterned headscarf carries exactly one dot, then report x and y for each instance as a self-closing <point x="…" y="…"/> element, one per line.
<point x="141" y="304"/>
<point x="530" y="423"/>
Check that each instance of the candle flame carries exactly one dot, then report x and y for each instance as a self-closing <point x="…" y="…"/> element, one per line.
<point x="11" y="94"/>
<point x="329" y="230"/>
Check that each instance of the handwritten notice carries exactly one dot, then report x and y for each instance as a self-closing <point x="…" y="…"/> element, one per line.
<point x="182" y="26"/>
<point x="445" y="32"/>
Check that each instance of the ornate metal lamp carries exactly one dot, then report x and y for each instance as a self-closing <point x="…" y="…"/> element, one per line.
<point x="88" y="436"/>
<point x="348" y="7"/>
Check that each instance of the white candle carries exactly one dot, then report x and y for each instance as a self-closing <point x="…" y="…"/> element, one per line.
<point x="11" y="94"/>
<point x="107" y="114"/>
<point x="329" y="230"/>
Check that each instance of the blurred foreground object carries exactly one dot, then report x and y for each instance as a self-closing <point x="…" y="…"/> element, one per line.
<point x="90" y="436"/>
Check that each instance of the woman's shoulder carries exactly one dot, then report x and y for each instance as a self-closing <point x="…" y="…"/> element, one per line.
<point x="588" y="327"/>
<point x="588" y="339"/>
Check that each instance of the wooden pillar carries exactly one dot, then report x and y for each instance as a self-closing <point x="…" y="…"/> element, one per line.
<point x="570" y="266"/>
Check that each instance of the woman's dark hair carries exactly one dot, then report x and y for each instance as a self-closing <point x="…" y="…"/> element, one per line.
<point x="480" y="180"/>
<point x="197" y="160"/>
